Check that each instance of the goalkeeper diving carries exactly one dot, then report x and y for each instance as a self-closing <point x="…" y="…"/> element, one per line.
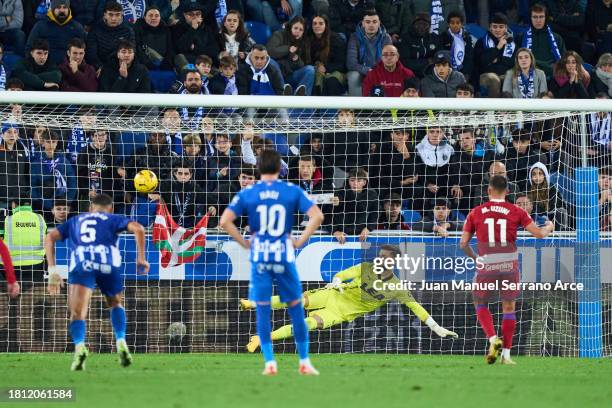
<point x="351" y="294"/>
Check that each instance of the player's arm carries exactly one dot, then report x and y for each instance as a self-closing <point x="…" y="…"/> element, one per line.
<point x="227" y="223"/>
<point x="9" y="271"/>
<point x="540" y="232"/>
<point x="426" y="318"/>
<point x="464" y="244"/>
<point x="315" y="218"/>
<point x="142" y="266"/>
<point x="55" y="280"/>
<point x="347" y="274"/>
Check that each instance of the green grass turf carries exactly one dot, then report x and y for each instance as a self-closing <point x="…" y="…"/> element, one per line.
<point x="346" y="381"/>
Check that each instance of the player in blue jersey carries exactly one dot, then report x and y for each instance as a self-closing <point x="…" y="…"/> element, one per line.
<point x="271" y="205"/>
<point x="94" y="259"/>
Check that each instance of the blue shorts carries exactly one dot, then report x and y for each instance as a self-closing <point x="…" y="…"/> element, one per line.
<point x="263" y="275"/>
<point x="110" y="283"/>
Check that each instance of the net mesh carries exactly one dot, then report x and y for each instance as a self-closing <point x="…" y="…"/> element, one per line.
<point x="422" y="170"/>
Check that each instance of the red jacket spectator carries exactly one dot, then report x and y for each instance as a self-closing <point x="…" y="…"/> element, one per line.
<point x="392" y="82"/>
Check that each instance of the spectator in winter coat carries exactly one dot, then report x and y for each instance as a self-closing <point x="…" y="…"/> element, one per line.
<point x="417" y="45"/>
<point x="438" y="11"/>
<point x="395" y="16"/>
<point x="546" y="45"/>
<point x="124" y="73"/>
<point x="256" y="76"/>
<point x="602" y="80"/>
<point x="459" y="42"/>
<point x="103" y="39"/>
<point x="566" y="18"/>
<point x="53" y="176"/>
<point x="389" y="74"/>
<point x="598" y="18"/>
<point x="11" y="22"/>
<point x="37" y="71"/>
<point x="14" y="166"/>
<point x="234" y="38"/>
<point x="570" y="79"/>
<point x="154" y="47"/>
<point x="58" y="28"/>
<point x="442" y="80"/>
<point x="327" y="53"/>
<point x="364" y="50"/>
<point x="524" y="80"/>
<point x="192" y="37"/>
<point x="345" y="15"/>
<point x="494" y="55"/>
<point x="77" y="75"/>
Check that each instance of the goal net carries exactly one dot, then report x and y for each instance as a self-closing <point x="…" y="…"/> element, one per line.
<point x="404" y="172"/>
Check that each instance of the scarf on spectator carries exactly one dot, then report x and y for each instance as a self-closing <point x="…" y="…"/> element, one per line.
<point x="2" y="78"/>
<point x="260" y="84"/>
<point x="175" y="141"/>
<point x="230" y="86"/>
<point x="606" y="78"/>
<point x="194" y="121"/>
<point x="489" y="42"/>
<point x="365" y="51"/>
<point x="77" y="142"/>
<point x="528" y="42"/>
<point x="601" y="129"/>
<point x="50" y="166"/>
<point x="527" y="85"/>
<point x="457" y="49"/>
<point x="231" y="45"/>
<point x="436" y="16"/>
<point x="133" y="10"/>
<point x="220" y="12"/>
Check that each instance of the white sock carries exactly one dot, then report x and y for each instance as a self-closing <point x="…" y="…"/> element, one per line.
<point x="78" y="346"/>
<point x="305" y="361"/>
<point x="506" y="353"/>
<point x="119" y="342"/>
<point x="492" y="339"/>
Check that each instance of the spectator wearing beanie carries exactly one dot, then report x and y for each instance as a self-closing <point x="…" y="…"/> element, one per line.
<point x="58" y="28"/>
<point x="345" y="15"/>
<point x="417" y="45"/>
<point x="389" y="74"/>
<point x="103" y="39"/>
<point x="441" y="80"/>
<point x="77" y="75"/>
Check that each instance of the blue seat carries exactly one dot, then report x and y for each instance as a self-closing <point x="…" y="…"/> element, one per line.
<point x="9" y="62"/>
<point x="477" y="31"/>
<point x="280" y="142"/>
<point x="411" y="216"/>
<point x="588" y="67"/>
<point x="457" y="215"/>
<point x="259" y="31"/>
<point x="161" y="81"/>
<point x="518" y="29"/>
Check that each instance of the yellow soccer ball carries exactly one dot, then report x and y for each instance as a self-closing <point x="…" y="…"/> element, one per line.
<point x="145" y="181"/>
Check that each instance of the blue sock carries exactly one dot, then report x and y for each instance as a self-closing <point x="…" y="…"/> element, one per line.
<point x="300" y="330"/>
<point x="118" y="321"/>
<point x="264" y="328"/>
<point x="77" y="331"/>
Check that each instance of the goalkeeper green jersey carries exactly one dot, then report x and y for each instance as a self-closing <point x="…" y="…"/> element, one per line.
<point x="360" y="296"/>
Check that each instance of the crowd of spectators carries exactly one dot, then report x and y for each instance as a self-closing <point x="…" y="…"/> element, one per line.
<point x="366" y="180"/>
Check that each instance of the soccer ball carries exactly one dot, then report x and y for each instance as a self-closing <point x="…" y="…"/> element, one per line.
<point x="177" y="330"/>
<point x="145" y="181"/>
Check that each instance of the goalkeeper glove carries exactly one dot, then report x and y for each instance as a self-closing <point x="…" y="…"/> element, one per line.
<point x="336" y="283"/>
<point x="442" y="332"/>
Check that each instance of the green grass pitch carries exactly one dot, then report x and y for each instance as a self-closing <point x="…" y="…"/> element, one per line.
<point x="346" y="381"/>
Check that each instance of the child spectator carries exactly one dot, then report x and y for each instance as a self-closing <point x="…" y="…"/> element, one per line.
<point x="441" y="80"/>
<point x="37" y="71"/>
<point x="459" y="42"/>
<point x="224" y="83"/>
<point x="438" y="220"/>
<point x="234" y="38"/>
<point x="391" y="217"/>
<point x="540" y="192"/>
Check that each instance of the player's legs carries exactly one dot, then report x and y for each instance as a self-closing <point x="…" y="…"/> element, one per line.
<point x="111" y="286"/>
<point x="79" y="297"/>
<point x="311" y="299"/>
<point x="261" y="292"/>
<point x="508" y="327"/>
<point x="290" y="291"/>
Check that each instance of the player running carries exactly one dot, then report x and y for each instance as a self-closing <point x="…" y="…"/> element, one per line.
<point x="12" y="286"/>
<point x="495" y="224"/>
<point x="341" y="301"/>
<point x="95" y="259"/>
<point x="271" y="205"/>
